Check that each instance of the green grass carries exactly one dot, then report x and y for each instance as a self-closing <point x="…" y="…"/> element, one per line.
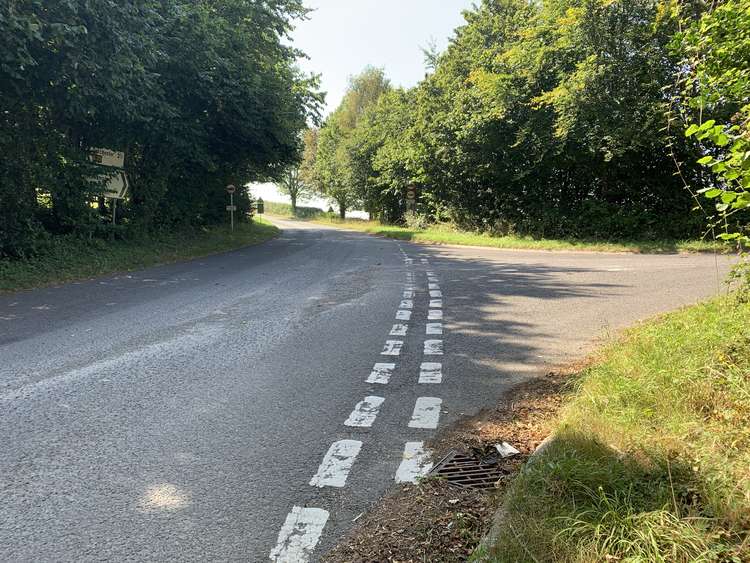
<point x="68" y="258"/>
<point x="651" y="458"/>
<point x="447" y="234"/>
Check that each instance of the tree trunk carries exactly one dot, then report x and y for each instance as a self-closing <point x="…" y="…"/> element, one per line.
<point x="294" y="204"/>
<point x="342" y="211"/>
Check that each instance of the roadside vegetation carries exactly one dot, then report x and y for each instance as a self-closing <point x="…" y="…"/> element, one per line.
<point x="72" y="258"/>
<point x="446" y="233"/>
<point x="651" y="458"/>
<point x="197" y="95"/>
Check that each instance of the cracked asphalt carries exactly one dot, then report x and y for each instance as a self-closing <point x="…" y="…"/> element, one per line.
<point x="179" y="412"/>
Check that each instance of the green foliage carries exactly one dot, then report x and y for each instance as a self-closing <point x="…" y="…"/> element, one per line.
<point x="543" y="119"/>
<point x="650" y="459"/>
<point x="338" y="173"/>
<point x="716" y="109"/>
<point x="198" y="95"/>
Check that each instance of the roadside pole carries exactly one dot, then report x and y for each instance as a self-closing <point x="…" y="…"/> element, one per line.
<point x="231" y="207"/>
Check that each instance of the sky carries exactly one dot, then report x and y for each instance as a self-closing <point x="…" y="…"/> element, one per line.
<point x="342" y="37"/>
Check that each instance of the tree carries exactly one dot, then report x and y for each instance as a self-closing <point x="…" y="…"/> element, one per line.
<point x="198" y="95"/>
<point x="292" y="184"/>
<point x="334" y="168"/>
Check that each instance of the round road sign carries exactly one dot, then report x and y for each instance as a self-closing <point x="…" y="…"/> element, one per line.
<point x="231" y="189"/>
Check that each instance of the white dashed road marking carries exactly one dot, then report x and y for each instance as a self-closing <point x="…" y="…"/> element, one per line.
<point x="392" y="348"/>
<point x="434" y="315"/>
<point x="426" y="413"/>
<point x="424" y="260"/>
<point x="436" y="303"/>
<point x="408" y="294"/>
<point x="433" y="286"/>
<point x="433" y="347"/>
<point x="403" y="315"/>
<point x="406" y="304"/>
<point x="299" y="535"/>
<point x="434" y="328"/>
<point x="415" y="463"/>
<point x="338" y="461"/>
<point x="431" y="372"/>
<point x="381" y="373"/>
<point x="365" y="412"/>
<point x="399" y="330"/>
<point x="436" y="293"/>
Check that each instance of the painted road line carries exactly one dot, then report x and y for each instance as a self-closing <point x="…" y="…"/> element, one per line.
<point x="381" y="373"/>
<point x="426" y="413"/>
<point x="424" y="260"/>
<point x="392" y="348"/>
<point x="432" y="279"/>
<point x="338" y="461"/>
<point x="436" y="303"/>
<point x="436" y="293"/>
<point x="434" y="315"/>
<point x="434" y="328"/>
<point x="403" y="315"/>
<point x="365" y="412"/>
<point x="408" y="293"/>
<point x="433" y="286"/>
<point x="299" y="535"/>
<point x="433" y="347"/>
<point x="431" y="372"/>
<point x="415" y="463"/>
<point x="399" y="330"/>
<point x="406" y="304"/>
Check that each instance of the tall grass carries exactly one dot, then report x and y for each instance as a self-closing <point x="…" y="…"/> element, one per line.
<point x="651" y="461"/>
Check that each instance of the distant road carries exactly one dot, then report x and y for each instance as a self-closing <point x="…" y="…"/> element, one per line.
<point x="183" y="412"/>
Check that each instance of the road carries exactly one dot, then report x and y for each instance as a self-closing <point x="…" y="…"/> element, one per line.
<point x="183" y="412"/>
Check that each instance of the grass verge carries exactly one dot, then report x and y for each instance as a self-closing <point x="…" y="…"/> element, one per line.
<point x="651" y="458"/>
<point x="447" y="234"/>
<point x="70" y="258"/>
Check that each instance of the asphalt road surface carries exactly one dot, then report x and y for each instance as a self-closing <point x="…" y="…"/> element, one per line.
<point x="240" y="407"/>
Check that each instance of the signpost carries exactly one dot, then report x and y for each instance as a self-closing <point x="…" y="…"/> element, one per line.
<point x="116" y="185"/>
<point x="231" y="207"/>
<point x="411" y="197"/>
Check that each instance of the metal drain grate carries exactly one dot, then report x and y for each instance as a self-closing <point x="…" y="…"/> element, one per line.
<point x="465" y="470"/>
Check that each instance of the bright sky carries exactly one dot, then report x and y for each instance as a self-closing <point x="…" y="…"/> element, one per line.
<point x="342" y="37"/>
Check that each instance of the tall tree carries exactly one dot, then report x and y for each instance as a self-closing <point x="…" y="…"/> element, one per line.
<point x="292" y="184"/>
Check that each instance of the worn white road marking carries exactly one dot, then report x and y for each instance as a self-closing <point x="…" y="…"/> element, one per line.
<point x="431" y="372"/>
<point x="365" y="412"/>
<point x="338" y="461"/>
<point x="392" y="348"/>
<point x="436" y="293"/>
<point x="426" y="413"/>
<point x="432" y="279"/>
<point x="406" y="304"/>
<point x="433" y="286"/>
<point x="399" y="330"/>
<point x="434" y="314"/>
<point x="433" y="347"/>
<point x="402" y="315"/>
<point x="424" y="260"/>
<point x="437" y="303"/>
<point x="434" y="328"/>
<point x="415" y="463"/>
<point x="381" y="373"/>
<point x="299" y="535"/>
<point x="408" y="293"/>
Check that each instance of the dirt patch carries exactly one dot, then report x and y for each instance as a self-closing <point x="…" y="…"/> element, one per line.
<point x="437" y="522"/>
